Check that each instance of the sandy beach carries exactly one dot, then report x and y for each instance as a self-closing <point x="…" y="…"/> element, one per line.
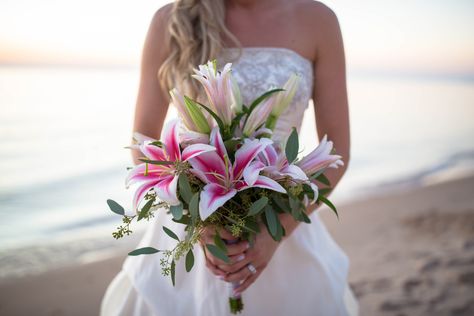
<point x="412" y="253"/>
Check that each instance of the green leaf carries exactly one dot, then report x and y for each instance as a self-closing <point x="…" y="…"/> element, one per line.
<point x="305" y="218"/>
<point x="197" y="116"/>
<point x="115" y="207"/>
<point x="324" y="191"/>
<point x="145" y="209"/>
<point x="270" y="216"/>
<point x="219" y="242"/>
<point x="194" y="206"/>
<point x="189" y="260"/>
<point x="184" y="188"/>
<point x="156" y="162"/>
<point x="328" y="203"/>
<point x="173" y="272"/>
<point x="292" y="146"/>
<point x="280" y="204"/>
<point x="143" y="251"/>
<point x="183" y="220"/>
<point x="177" y="211"/>
<point x="323" y="179"/>
<point x="218" y="253"/>
<point x="257" y="206"/>
<point x="170" y="233"/>
<point x="258" y="100"/>
<point x="218" y="120"/>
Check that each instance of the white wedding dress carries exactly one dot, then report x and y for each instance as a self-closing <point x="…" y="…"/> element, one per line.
<point x="308" y="272"/>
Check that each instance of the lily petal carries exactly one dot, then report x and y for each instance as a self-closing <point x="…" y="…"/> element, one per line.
<point x="152" y="152"/>
<point x="216" y="141"/>
<point x="295" y="172"/>
<point x="196" y="150"/>
<point x="252" y="172"/>
<point x="247" y="153"/>
<point x="211" y="166"/>
<point x="267" y="183"/>
<point x="141" y="192"/>
<point x="213" y="196"/>
<point x="170" y="138"/>
<point x="137" y="174"/>
<point x="166" y="190"/>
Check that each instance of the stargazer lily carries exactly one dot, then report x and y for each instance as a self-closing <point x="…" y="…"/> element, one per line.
<point x="163" y="178"/>
<point x="320" y="158"/>
<point x="273" y="162"/>
<point x="221" y="91"/>
<point x="224" y="179"/>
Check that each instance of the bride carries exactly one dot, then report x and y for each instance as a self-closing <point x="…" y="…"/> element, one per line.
<point x="266" y="40"/>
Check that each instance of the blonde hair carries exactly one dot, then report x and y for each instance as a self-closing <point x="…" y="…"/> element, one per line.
<point x="196" y="31"/>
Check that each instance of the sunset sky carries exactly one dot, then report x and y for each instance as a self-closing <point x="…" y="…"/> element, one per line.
<point x="415" y="35"/>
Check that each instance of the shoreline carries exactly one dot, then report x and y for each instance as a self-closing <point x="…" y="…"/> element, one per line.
<point x="411" y="252"/>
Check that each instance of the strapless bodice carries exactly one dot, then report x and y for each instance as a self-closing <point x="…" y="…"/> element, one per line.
<point x="261" y="68"/>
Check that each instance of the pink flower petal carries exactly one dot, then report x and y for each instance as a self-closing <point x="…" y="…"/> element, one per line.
<point x="170" y="138"/>
<point x="166" y="190"/>
<point x="137" y="174"/>
<point x="247" y="153"/>
<point x="267" y="183"/>
<point x="295" y="172"/>
<point x="141" y="192"/>
<point x="252" y="172"/>
<point x="195" y="150"/>
<point x="213" y="196"/>
<point x="210" y="164"/>
<point x="216" y="141"/>
<point x="152" y="152"/>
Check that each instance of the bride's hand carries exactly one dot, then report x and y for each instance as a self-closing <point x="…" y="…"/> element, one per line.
<point x="259" y="256"/>
<point x="235" y="252"/>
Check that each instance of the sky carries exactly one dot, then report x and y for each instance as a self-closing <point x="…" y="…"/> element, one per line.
<point x="400" y="35"/>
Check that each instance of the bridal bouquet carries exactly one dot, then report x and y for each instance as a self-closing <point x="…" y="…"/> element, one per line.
<point x="217" y="166"/>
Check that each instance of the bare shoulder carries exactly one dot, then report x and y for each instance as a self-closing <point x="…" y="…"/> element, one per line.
<point x="161" y="19"/>
<point x="320" y="23"/>
<point x="157" y="35"/>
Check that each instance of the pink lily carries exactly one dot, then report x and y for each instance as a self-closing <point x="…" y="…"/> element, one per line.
<point x="163" y="178"/>
<point x="275" y="165"/>
<point x="219" y="89"/>
<point x="320" y="158"/>
<point x="224" y="179"/>
<point x="258" y="116"/>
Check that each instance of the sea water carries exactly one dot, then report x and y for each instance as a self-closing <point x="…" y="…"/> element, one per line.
<point x="63" y="132"/>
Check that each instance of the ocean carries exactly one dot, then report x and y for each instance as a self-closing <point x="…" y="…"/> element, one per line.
<point x="63" y="132"/>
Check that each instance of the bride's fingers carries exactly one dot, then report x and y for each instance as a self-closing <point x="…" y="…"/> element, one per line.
<point x="237" y="263"/>
<point x="242" y="274"/>
<point x="238" y="248"/>
<point x="214" y="269"/>
<point x="242" y="287"/>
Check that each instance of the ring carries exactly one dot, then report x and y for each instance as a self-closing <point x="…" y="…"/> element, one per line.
<point x="251" y="268"/>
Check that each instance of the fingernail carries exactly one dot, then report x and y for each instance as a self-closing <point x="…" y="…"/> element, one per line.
<point x="240" y="258"/>
<point x="248" y="246"/>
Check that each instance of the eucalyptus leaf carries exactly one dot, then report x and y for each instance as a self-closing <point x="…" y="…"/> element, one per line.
<point x="218" y="253"/>
<point x="292" y="146"/>
<point x="219" y="242"/>
<point x="185" y="188"/>
<point x="257" y="206"/>
<point x="194" y="206"/>
<point x="189" y="260"/>
<point x="270" y="216"/>
<point x="115" y="207"/>
<point x="177" y="211"/>
<point x="143" y="251"/>
<point x="145" y="209"/>
<point x="170" y="233"/>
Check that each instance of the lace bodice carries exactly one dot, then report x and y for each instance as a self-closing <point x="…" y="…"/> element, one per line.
<point x="260" y="68"/>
